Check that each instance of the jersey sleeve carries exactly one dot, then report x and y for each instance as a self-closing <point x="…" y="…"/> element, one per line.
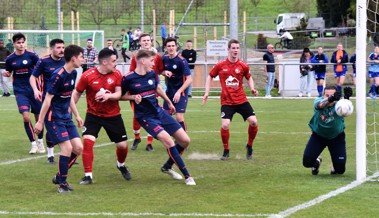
<point x="56" y="82"/>
<point x="159" y="64"/>
<point x="133" y="63"/>
<point x="8" y="65"/>
<point x="124" y="86"/>
<point x="265" y="57"/>
<point x="246" y="71"/>
<point x="214" y="72"/>
<point x="34" y="58"/>
<point x="38" y="69"/>
<point x="118" y="78"/>
<point x="82" y="84"/>
<point x="186" y="70"/>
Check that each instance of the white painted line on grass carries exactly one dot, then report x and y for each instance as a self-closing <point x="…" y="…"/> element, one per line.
<point x="322" y="198"/>
<point x="127" y="214"/>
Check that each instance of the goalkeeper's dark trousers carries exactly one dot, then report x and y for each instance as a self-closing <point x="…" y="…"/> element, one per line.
<point x="336" y="146"/>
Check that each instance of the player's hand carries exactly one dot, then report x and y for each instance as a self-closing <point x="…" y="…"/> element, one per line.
<point x="335" y="97"/>
<point x="6" y="74"/>
<point x="205" y="98"/>
<point x="347" y="92"/>
<point x="176" y="98"/>
<point x="172" y="109"/>
<point x="167" y="73"/>
<point x="79" y="120"/>
<point x="38" y="95"/>
<point x="137" y="99"/>
<point x="38" y="127"/>
<point x="255" y="92"/>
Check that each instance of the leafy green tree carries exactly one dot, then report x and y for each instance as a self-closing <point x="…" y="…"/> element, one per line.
<point x="10" y="9"/>
<point x="334" y="12"/>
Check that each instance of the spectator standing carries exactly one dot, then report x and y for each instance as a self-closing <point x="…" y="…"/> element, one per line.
<point x="190" y="55"/>
<point x="306" y="72"/>
<point x="320" y="70"/>
<point x="353" y="59"/>
<point x="90" y="55"/>
<point x="110" y="47"/>
<point x="163" y="35"/>
<point x="4" y="53"/>
<point x="125" y="44"/>
<point x="269" y="69"/>
<point x="340" y="57"/>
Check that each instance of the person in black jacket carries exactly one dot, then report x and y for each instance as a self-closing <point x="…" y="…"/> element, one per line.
<point x="190" y="55"/>
<point x="306" y="72"/>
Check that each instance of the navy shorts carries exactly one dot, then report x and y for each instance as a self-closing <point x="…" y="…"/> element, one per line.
<point x="245" y="109"/>
<point x="319" y="76"/>
<point x="157" y="123"/>
<point x="339" y="74"/>
<point x="180" y="106"/>
<point x="61" y="131"/>
<point x="27" y="102"/>
<point x="114" y="126"/>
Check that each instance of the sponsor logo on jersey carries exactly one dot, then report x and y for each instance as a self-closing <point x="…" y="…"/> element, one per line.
<point x="232" y="82"/>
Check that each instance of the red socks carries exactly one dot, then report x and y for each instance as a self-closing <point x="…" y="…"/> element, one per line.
<point x="225" y="138"/>
<point x="252" y="132"/>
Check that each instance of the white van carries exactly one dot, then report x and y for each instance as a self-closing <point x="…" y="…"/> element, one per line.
<point x="288" y="21"/>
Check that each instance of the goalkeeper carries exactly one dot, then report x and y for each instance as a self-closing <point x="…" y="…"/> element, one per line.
<point x="327" y="131"/>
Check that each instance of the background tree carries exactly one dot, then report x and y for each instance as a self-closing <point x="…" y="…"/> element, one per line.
<point x="10" y="9"/>
<point x="334" y="12"/>
<point x="255" y="4"/>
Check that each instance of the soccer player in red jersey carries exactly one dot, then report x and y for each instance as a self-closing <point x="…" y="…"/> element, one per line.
<point x="102" y="86"/>
<point x="231" y="72"/>
<point x="145" y="42"/>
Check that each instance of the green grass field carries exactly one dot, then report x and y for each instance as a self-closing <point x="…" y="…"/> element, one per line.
<point x="273" y="184"/>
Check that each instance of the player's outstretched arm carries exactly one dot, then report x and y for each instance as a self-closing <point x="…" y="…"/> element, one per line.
<point x="207" y="89"/>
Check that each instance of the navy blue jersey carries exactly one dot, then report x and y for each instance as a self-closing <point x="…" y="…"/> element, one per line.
<point x="61" y="86"/>
<point x="44" y="69"/>
<point x="144" y="85"/>
<point x="180" y="70"/>
<point x="22" y="67"/>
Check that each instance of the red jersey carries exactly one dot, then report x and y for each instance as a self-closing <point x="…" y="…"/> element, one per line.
<point x="92" y="81"/>
<point x="158" y="64"/>
<point x="231" y="78"/>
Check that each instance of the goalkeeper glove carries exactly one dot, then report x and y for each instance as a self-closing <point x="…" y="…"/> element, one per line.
<point x="347" y="92"/>
<point x="335" y="97"/>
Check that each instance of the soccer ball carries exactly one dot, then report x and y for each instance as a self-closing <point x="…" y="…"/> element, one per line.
<point x="344" y="108"/>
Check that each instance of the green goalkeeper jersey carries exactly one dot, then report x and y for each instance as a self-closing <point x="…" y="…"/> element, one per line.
<point x="326" y="123"/>
<point x="125" y="41"/>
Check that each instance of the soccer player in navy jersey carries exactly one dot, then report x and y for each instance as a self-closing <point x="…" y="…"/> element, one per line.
<point x="231" y="72"/>
<point x="20" y="65"/>
<point x="40" y="78"/>
<point x="57" y="117"/>
<point x="145" y="43"/>
<point x="102" y="86"/>
<point x="179" y="78"/>
<point x="140" y="87"/>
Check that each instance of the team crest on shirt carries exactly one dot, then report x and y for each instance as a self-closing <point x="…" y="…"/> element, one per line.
<point x="174" y="66"/>
<point x="24" y="61"/>
<point x="72" y="82"/>
<point x="150" y="82"/>
<point x="232" y="82"/>
<point x="237" y="71"/>
<point x="110" y="81"/>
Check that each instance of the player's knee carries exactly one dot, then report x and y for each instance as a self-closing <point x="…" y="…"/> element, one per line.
<point x="339" y="169"/>
<point x="308" y="162"/>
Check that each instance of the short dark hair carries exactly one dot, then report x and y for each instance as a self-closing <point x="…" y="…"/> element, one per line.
<point x="17" y="37"/>
<point x="143" y="35"/>
<point x="72" y="51"/>
<point x="189" y="40"/>
<point x="170" y="39"/>
<point x="53" y="42"/>
<point x="142" y="53"/>
<point x="105" y="53"/>
<point x="109" y="40"/>
<point x="123" y="29"/>
<point x="232" y="41"/>
<point x="330" y="87"/>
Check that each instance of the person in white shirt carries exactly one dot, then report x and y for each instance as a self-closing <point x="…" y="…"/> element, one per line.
<point x="286" y="37"/>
